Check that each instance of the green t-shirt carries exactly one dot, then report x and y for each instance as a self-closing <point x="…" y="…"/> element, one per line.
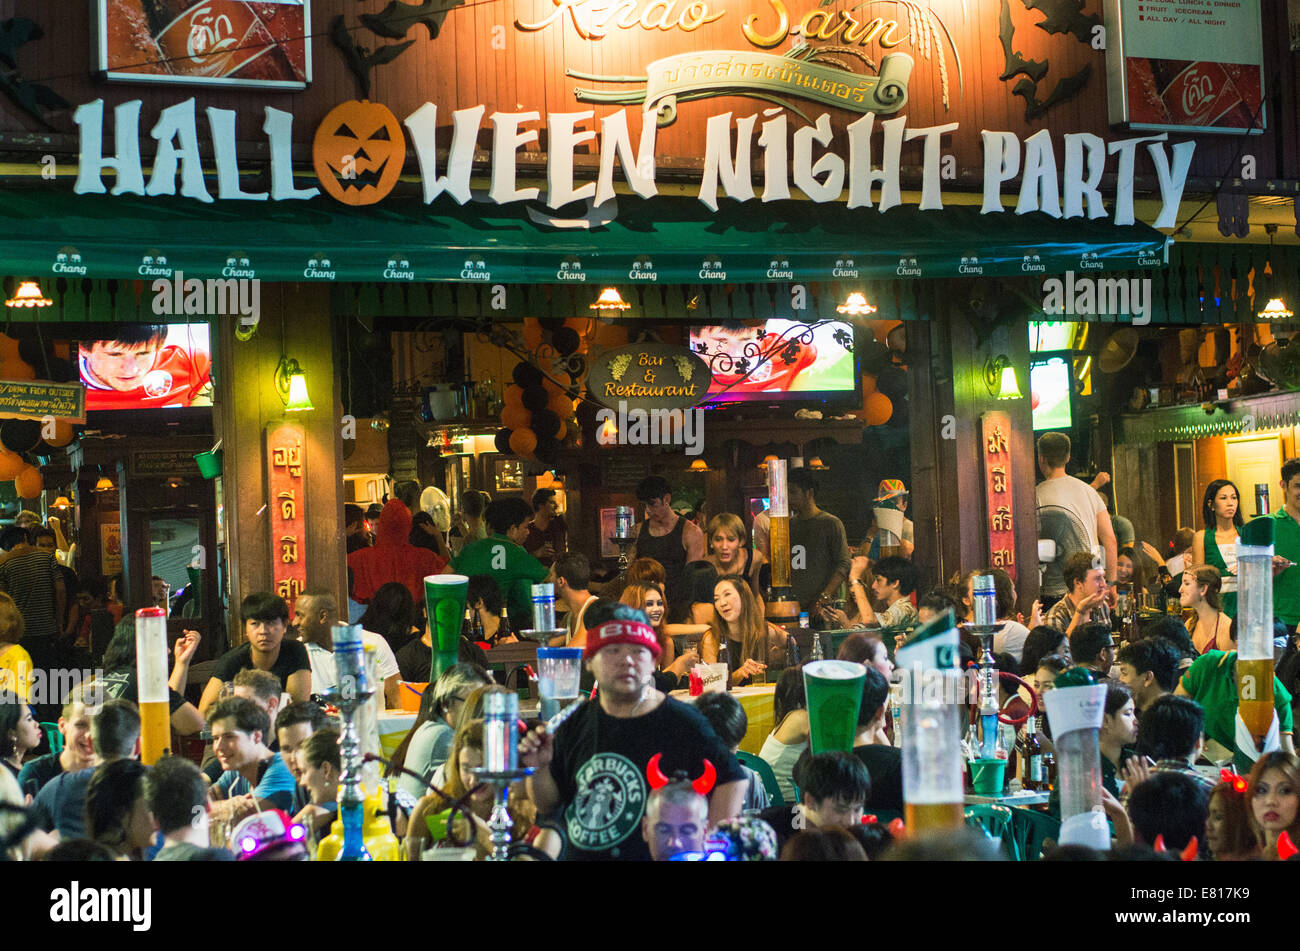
<point x="514" y="569"/>
<point x="1286" y="586"/>
<point x="1212" y="682"/>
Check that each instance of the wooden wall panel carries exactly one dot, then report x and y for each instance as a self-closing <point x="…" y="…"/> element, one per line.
<point x="460" y="68"/>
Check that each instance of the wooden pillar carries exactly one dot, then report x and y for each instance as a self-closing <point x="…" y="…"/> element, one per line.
<point x="947" y="446"/>
<point x="295" y="322"/>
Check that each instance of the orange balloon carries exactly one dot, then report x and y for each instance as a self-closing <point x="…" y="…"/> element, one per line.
<point x="11" y="464"/>
<point x="561" y="429"/>
<point x="63" y="433"/>
<point x="879" y="409"/>
<point x="514" y="397"/>
<point x="523" y="442"/>
<point x="560" y="405"/>
<point x="516" y="417"/>
<point x="18" y="370"/>
<point x="532" y="333"/>
<point x="29" y="483"/>
<point x="868" y="384"/>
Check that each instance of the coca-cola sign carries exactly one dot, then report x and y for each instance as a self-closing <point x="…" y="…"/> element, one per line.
<point x="210" y="42"/>
<point x="1154" y="86"/>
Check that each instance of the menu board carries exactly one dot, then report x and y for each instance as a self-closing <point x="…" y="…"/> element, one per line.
<point x="1152" y="85"/>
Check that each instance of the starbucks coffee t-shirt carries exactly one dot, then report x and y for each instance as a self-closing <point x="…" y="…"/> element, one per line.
<point x="600" y="769"/>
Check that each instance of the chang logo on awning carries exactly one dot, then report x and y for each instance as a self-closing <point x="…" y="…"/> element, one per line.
<point x="780" y="269"/>
<point x="399" y="269"/>
<point x="844" y="267"/>
<point x="1033" y="263"/>
<point x="908" y="267"/>
<point x="154" y="264"/>
<point x="475" y="271"/>
<point x="643" y="269"/>
<point x="970" y="264"/>
<point x="1091" y="261"/>
<point x="68" y="261"/>
<point x="319" y="267"/>
<point x="712" y="270"/>
<point x="238" y="265"/>
<point x="571" y="270"/>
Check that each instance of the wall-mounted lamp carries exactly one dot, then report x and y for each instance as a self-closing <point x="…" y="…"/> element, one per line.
<point x="291" y="384"/>
<point x="766" y="459"/>
<point x="698" y="465"/>
<point x="29" y="295"/>
<point x="816" y="464"/>
<point x="61" y="503"/>
<point x="105" y="484"/>
<point x="1000" y="378"/>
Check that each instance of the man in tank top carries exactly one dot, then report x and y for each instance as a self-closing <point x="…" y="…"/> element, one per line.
<point x="666" y="537"/>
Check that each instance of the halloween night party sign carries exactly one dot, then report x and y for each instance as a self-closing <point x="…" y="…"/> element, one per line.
<point x="360" y="149"/>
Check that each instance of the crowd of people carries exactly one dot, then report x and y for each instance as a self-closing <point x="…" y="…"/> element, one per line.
<point x="641" y="771"/>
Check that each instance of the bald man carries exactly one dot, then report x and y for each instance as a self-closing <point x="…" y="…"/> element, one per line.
<point x="314" y="615"/>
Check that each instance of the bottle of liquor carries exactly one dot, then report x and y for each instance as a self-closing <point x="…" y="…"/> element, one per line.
<point x="1049" y="772"/>
<point x="816" y="652"/>
<point x="467" y="625"/>
<point x="505" y="630"/>
<point x="1032" y="753"/>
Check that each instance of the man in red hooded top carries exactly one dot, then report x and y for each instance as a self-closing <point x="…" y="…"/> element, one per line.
<point x="392" y="557"/>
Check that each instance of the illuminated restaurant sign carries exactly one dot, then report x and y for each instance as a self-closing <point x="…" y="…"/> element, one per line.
<point x="997" y="491"/>
<point x="287" y="484"/>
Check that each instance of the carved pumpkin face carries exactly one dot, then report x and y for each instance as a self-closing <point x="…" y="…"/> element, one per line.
<point x="358" y="152"/>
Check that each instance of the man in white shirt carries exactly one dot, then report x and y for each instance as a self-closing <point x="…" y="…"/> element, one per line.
<point x="315" y="613"/>
<point x="1061" y="491"/>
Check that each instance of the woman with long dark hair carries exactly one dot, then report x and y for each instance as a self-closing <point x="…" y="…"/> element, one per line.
<point x="1216" y="543"/>
<point x="738" y="624"/>
<point x="1210" y="627"/>
<point x="391" y="614"/>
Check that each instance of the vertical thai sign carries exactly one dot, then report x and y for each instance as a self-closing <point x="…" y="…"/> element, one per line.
<point x="996" y="446"/>
<point x="286" y="481"/>
<point x="1153" y="85"/>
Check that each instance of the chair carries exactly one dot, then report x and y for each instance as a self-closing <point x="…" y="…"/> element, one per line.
<point x="996" y="822"/>
<point x="1031" y="829"/>
<point x="54" y="737"/>
<point x="764" y="770"/>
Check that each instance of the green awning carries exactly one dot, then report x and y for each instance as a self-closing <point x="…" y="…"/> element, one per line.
<point x="50" y="231"/>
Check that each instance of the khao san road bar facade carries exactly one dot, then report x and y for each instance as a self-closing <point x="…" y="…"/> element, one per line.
<point x="486" y="165"/>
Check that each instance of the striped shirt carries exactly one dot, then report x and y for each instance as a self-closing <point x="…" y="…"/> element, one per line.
<point x="29" y="577"/>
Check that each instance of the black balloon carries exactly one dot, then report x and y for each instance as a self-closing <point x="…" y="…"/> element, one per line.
<point x="20" y="435"/>
<point x="548" y="448"/>
<point x="535" y="398"/>
<point x="502" y="440"/>
<point x="526" y="375"/>
<point x="551" y="324"/>
<point x="63" y="371"/>
<point x="30" y="350"/>
<point x="545" y="422"/>
<point x="566" y="341"/>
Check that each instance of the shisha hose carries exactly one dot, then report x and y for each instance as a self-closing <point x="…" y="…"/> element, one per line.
<point x="459" y="807"/>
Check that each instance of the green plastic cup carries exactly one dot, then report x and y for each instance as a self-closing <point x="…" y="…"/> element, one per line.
<point x="986" y="776"/>
<point x="444" y="599"/>
<point x="834" y="693"/>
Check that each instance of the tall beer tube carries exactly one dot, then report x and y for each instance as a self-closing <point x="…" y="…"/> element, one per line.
<point x="933" y="787"/>
<point x="778" y="511"/>
<point x="1075" y="707"/>
<point x="1257" y="724"/>
<point x="151" y="684"/>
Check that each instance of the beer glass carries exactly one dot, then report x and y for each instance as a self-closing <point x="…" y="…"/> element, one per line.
<point x="834" y="694"/>
<point x="559" y="673"/>
<point x="444" y="598"/>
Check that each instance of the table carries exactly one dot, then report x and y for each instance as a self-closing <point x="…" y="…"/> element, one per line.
<point x="757" y="704"/>
<point x="393" y="727"/>
<point x="1016" y="799"/>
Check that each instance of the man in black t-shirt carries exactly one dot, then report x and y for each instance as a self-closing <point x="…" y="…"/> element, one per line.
<point x="266" y="620"/>
<point x="592" y="774"/>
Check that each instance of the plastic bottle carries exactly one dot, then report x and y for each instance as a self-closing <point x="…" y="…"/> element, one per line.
<point x="1075" y="706"/>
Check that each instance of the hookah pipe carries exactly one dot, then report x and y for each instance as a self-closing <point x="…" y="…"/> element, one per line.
<point x="458" y="806"/>
<point x="1005" y="676"/>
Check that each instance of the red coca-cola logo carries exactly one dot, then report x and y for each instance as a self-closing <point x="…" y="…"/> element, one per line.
<point x="1198" y="91"/>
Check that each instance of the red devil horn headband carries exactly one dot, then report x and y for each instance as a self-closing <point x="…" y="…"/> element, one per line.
<point x="1238" y="783"/>
<point x="1189" y="852"/>
<point x="702" y="785"/>
<point x="1285" y="847"/>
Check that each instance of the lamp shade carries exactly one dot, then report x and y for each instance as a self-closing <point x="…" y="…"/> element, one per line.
<point x="29" y="295"/>
<point x="297" y="400"/>
<point x="1275" y="309"/>
<point x="1009" y="388"/>
<point x="856" y="305"/>
<point x="610" y="299"/>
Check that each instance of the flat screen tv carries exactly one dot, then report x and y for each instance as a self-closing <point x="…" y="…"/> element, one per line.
<point x="1049" y="388"/>
<point x="147" y="366"/>
<point x="814" y="365"/>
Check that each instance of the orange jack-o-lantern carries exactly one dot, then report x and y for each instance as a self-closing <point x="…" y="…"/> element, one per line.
<point x="358" y="152"/>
